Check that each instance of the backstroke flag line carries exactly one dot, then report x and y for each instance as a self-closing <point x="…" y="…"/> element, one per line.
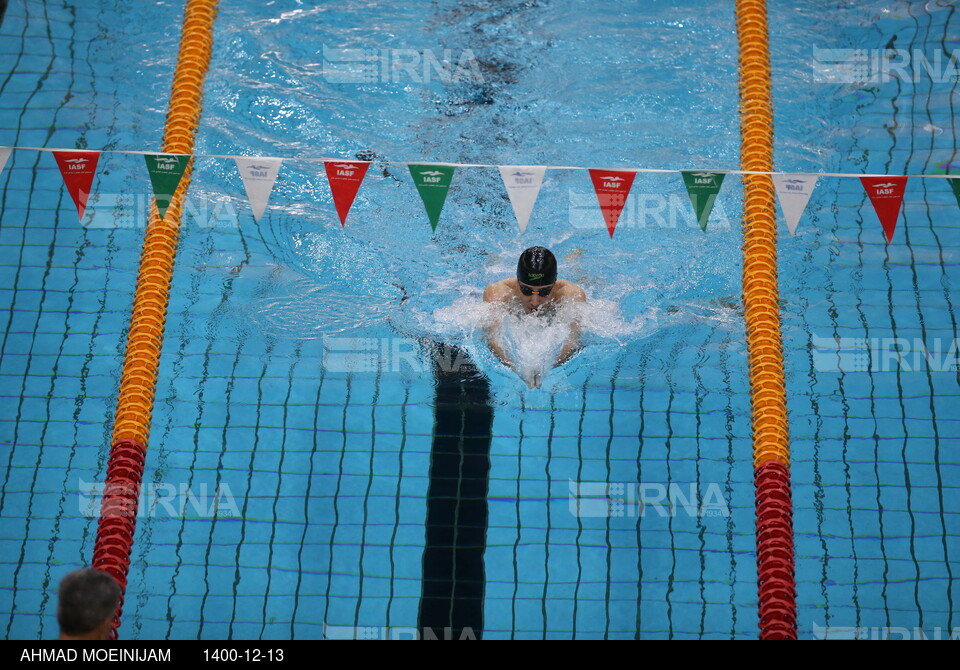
<point x="522" y="182"/>
<point x="259" y="175"/>
<point x="165" y="170"/>
<point x="345" y="178"/>
<point x="794" y="191"/>
<point x="78" y="169"/>
<point x="702" y="187"/>
<point x="612" y="187"/>
<point x="886" y="195"/>
<point x="523" y="185"/>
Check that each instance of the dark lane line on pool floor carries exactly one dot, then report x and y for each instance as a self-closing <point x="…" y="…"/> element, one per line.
<point x="451" y="602"/>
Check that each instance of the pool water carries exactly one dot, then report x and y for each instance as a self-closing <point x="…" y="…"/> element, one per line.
<point x="321" y="467"/>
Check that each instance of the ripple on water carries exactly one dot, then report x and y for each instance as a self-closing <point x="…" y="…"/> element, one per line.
<point x="306" y="311"/>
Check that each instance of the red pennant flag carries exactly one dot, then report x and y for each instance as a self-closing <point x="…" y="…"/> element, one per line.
<point x="345" y="178"/>
<point x="78" y="169"/>
<point x="886" y="194"/>
<point x="612" y="187"/>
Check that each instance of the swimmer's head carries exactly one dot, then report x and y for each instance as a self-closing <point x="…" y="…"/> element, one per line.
<point x="537" y="267"/>
<point x="536" y="276"/>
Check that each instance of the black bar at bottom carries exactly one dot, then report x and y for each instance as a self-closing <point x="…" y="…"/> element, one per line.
<point x="149" y="652"/>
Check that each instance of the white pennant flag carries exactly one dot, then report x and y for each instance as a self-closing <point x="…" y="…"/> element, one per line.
<point x="794" y="191"/>
<point x="259" y="175"/>
<point x="523" y="186"/>
<point x="4" y="155"/>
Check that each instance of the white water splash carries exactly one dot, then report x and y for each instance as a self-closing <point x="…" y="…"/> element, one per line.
<point x="532" y="341"/>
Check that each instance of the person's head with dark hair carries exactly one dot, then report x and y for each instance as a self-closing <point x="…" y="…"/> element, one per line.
<point x="88" y="599"/>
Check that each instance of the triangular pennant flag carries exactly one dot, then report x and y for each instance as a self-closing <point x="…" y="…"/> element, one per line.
<point x="523" y="185"/>
<point x="886" y="194"/>
<point x="954" y="182"/>
<point x="4" y="155"/>
<point x="78" y="169"/>
<point x="612" y="187"/>
<point x="165" y="174"/>
<point x="794" y="191"/>
<point x="259" y="175"/>
<point x="702" y="187"/>
<point x="433" y="182"/>
<point x="345" y="178"/>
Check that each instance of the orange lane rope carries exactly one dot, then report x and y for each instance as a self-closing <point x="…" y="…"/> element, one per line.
<point x="771" y="455"/>
<point x="139" y="379"/>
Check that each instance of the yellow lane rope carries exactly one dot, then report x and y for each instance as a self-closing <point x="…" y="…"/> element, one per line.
<point x="760" y="292"/>
<point x="776" y="585"/>
<point x="118" y="511"/>
<point x="138" y="383"/>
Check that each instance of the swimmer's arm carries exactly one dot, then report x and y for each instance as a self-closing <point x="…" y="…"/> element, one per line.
<point x="498" y="351"/>
<point x="572" y="345"/>
<point x="496" y="293"/>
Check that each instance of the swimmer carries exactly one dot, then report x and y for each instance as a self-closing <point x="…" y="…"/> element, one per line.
<point x="538" y="291"/>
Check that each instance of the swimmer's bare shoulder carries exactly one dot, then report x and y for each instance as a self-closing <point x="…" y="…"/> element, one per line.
<point x="567" y="289"/>
<point x="501" y="291"/>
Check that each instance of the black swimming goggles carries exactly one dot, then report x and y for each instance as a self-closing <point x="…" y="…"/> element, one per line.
<point x="542" y="291"/>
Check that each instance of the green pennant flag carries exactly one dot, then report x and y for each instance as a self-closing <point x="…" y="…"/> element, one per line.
<point x="433" y="182"/>
<point x="702" y="187"/>
<point x="165" y="174"/>
<point x="955" y="183"/>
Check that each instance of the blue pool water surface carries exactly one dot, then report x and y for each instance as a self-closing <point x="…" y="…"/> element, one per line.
<point x="309" y="469"/>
